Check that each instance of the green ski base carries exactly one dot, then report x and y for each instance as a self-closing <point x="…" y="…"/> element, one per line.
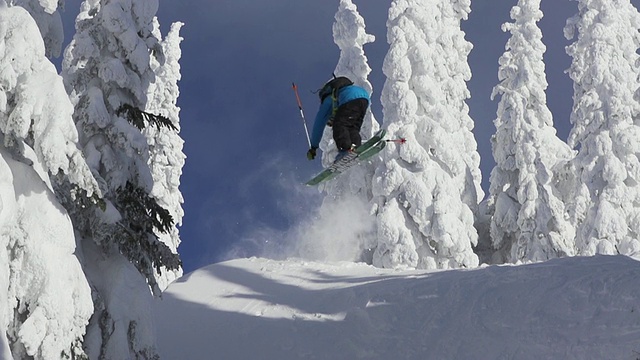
<point x="362" y="153"/>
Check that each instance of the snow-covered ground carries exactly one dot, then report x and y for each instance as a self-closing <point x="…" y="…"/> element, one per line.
<point x="571" y="308"/>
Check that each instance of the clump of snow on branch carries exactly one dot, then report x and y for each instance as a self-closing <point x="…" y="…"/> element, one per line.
<point x="46" y="300"/>
<point x="34" y="107"/>
<point x="46" y="15"/>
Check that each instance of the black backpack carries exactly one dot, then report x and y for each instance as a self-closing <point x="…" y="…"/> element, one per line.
<point x="332" y="87"/>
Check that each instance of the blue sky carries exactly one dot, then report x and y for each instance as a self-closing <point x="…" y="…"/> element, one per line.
<point x="244" y="139"/>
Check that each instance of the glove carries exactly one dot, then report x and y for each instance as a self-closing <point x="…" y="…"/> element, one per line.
<point x="311" y="154"/>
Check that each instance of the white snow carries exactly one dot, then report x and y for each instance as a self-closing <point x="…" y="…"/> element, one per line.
<point x="34" y="107"/>
<point x="570" y="308"/>
<point x="45" y="298"/>
<point x="46" y="15"/>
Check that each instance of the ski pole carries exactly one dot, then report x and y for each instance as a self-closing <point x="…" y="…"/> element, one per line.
<point x="397" y="141"/>
<point x="304" y="121"/>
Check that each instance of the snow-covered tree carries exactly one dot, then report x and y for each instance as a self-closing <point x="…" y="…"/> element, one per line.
<point x="428" y="188"/>
<point x="45" y="300"/>
<point x="165" y="145"/>
<point x="47" y="16"/>
<point x="606" y="126"/>
<point x="350" y="35"/>
<point x="35" y="110"/>
<point x="529" y="221"/>
<point x="108" y="73"/>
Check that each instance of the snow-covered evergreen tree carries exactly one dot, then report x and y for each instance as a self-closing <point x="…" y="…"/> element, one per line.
<point x="165" y="145"/>
<point x="47" y="16"/>
<point x="529" y="220"/>
<point x="108" y="73"/>
<point x="606" y="128"/>
<point x="35" y="111"/>
<point x="45" y="300"/>
<point x="350" y="35"/>
<point x="428" y="188"/>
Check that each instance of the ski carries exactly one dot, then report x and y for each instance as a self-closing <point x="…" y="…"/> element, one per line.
<point x="362" y="153"/>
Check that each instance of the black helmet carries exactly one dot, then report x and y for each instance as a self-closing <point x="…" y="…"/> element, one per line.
<point x="325" y="91"/>
<point x="336" y="83"/>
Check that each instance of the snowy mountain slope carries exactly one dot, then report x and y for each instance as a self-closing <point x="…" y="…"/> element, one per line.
<point x="570" y="308"/>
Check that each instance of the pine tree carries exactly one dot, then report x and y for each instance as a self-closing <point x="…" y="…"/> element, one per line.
<point x="429" y="187"/>
<point x="107" y="70"/>
<point x="605" y="129"/>
<point x="529" y="219"/>
<point x="165" y="145"/>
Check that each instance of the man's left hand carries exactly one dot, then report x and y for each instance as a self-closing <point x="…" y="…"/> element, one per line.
<point x="311" y="154"/>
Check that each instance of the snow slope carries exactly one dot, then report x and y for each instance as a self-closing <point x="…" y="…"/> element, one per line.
<point x="570" y="308"/>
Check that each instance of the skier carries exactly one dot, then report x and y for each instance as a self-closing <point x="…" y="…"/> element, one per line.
<point x="343" y="106"/>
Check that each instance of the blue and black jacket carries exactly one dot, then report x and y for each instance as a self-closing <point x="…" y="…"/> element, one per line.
<point x="326" y="111"/>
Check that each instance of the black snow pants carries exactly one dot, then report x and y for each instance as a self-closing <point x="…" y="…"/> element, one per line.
<point x="347" y="123"/>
